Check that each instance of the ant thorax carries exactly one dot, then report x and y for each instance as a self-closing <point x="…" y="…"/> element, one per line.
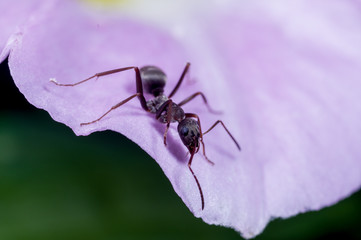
<point x="155" y="103"/>
<point x="176" y="113"/>
<point x="160" y="106"/>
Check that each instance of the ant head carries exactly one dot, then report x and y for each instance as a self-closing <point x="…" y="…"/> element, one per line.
<point x="153" y="79"/>
<point x="189" y="132"/>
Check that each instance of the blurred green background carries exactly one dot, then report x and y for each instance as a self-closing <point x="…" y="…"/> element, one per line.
<point x="54" y="185"/>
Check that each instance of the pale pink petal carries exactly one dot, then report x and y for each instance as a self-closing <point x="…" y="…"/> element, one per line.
<point x="300" y="86"/>
<point x="286" y="76"/>
<point x="15" y="15"/>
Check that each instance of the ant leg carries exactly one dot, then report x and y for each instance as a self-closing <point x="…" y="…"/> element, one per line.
<point x="165" y="134"/>
<point x="204" y="152"/>
<point x="168" y="104"/>
<point x="195" y="178"/>
<point x="204" y="100"/>
<point x="219" y="121"/>
<point x="97" y="75"/>
<point x="180" y="80"/>
<point x="139" y="85"/>
<point x="111" y="109"/>
<point x="201" y="137"/>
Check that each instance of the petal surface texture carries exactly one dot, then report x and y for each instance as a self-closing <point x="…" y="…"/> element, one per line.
<point x="285" y="75"/>
<point x="15" y="15"/>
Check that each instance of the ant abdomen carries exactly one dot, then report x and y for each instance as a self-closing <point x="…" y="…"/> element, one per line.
<point x="189" y="133"/>
<point x="153" y="79"/>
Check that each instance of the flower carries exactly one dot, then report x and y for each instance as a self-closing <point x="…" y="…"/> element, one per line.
<point x="285" y="75"/>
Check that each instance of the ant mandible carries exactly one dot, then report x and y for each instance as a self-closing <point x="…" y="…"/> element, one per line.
<point x="153" y="79"/>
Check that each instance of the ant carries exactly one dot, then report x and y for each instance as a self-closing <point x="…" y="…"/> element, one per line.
<point x="153" y="79"/>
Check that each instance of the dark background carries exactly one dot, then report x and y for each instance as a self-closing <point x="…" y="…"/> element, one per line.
<point x="54" y="185"/>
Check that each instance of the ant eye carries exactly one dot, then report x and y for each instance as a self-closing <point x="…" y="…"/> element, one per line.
<point x="185" y="131"/>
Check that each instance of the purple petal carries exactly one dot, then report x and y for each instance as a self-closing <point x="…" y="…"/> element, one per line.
<point x="15" y="15"/>
<point x="300" y="82"/>
<point x="288" y="84"/>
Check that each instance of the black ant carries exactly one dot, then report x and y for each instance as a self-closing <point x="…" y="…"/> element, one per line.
<point x="153" y="79"/>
